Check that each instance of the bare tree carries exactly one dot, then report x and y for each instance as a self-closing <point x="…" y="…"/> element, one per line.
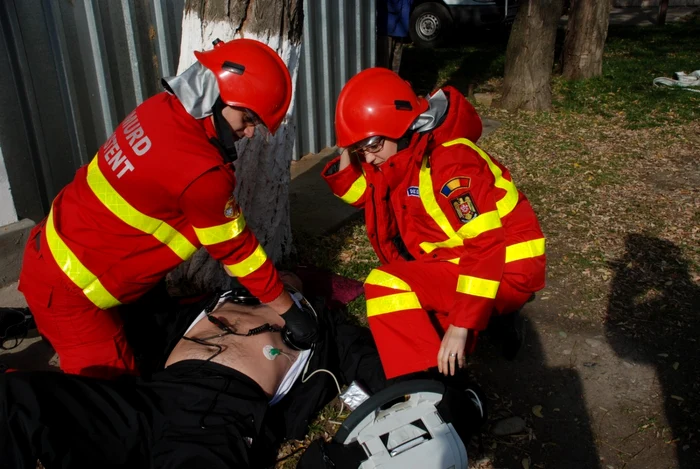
<point x="262" y="169"/>
<point x="663" y="8"/>
<point x="530" y="56"/>
<point x="586" y="31"/>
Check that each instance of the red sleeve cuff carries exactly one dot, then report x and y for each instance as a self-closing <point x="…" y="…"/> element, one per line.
<point x="272" y="294"/>
<point x="474" y="313"/>
<point x="264" y="282"/>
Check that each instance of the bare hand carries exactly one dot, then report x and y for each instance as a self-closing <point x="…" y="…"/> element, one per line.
<point x="451" y="354"/>
<point x="344" y="159"/>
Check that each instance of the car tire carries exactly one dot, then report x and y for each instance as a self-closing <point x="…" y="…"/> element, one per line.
<point x="430" y="24"/>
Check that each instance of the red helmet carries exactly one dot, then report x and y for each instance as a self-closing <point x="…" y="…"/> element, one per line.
<point x="251" y="75"/>
<point x="376" y="101"/>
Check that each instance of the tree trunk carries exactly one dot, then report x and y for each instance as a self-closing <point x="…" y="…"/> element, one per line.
<point x="530" y="56"/>
<point x="663" y="8"/>
<point x="262" y="169"/>
<point x="582" y="56"/>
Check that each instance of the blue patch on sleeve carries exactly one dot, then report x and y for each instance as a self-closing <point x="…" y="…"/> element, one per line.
<point x="413" y="191"/>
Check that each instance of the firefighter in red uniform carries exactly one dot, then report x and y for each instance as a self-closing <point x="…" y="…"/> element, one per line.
<point x="457" y="241"/>
<point x="159" y="188"/>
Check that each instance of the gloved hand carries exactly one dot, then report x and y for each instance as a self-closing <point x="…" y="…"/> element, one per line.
<point x="300" y="328"/>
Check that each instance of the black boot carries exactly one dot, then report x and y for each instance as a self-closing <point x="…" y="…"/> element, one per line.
<point x="465" y="409"/>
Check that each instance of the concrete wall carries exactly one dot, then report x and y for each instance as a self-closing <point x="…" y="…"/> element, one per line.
<point x="7" y="206"/>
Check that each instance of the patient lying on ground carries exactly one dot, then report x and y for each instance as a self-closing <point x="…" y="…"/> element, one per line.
<point x="224" y="399"/>
<point x="262" y="357"/>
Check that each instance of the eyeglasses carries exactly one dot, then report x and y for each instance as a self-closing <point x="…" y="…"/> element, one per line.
<point x="370" y="145"/>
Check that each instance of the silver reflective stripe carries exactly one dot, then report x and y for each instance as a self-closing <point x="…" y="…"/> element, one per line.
<point x="432" y="117"/>
<point x="195" y="88"/>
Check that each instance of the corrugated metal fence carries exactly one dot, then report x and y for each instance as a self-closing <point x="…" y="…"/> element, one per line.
<point x="72" y="69"/>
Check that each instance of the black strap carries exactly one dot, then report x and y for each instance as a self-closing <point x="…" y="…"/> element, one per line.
<point x="226" y="140"/>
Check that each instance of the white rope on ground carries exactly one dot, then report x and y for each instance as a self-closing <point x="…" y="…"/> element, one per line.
<point x="682" y="80"/>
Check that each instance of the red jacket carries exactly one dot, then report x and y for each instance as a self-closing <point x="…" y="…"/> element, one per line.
<point x="156" y="191"/>
<point x="452" y="202"/>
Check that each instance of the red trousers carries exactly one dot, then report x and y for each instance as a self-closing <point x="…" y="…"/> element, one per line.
<point x="409" y="339"/>
<point x="89" y="341"/>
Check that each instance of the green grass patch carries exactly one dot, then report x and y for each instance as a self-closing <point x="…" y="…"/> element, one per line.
<point x="633" y="57"/>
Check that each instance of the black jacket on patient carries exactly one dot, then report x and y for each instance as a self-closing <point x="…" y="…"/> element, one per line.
<point x="192" y="414"/>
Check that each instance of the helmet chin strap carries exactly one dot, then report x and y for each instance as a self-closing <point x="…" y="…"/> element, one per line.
<point x="227" y="137"/>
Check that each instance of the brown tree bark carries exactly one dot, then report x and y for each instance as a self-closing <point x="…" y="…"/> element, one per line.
<point x="586" y="31"/>
<point x="264" y="161"/>
<point x="530" y="56"/>
<point x="663" y="8"/>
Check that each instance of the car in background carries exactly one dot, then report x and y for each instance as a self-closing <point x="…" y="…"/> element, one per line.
<point x="432" y="22"/>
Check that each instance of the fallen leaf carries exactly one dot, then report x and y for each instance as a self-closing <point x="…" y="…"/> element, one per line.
<point x="526" y="463"/>
<point x="676" y="365"/>
<point x="678" y="398"/>
<point x="537" y="410"/>
<point x="663" y="355"/>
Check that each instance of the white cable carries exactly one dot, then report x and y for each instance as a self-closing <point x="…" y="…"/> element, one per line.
<point x="305" y="378"/>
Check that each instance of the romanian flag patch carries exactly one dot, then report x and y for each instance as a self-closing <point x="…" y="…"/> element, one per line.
<point x="455" y="183"/>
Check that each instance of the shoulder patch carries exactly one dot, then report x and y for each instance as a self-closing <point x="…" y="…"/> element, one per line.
<point x="460" y="182"/>
<point x="413" y="191"/>
<point x="231" y="209"/>
<point x="464" y="208"/>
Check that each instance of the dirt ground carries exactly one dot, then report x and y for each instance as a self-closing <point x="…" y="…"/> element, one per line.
<point x="592" y="397"/>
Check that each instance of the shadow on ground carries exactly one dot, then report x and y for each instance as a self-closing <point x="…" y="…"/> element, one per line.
<point x="653" y="319"/>
<point x="32" y="353"/>
<point x="564" y="437"/>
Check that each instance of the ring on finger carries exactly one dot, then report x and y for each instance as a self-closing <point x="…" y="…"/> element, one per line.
<point x="452" y="355"/>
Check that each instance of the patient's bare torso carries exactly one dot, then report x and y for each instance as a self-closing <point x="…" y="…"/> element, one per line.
<point x="244" y="354"/>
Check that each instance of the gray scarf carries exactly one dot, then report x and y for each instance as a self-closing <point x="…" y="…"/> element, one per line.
<point x="433" y="116"/>
<point x="195" y="88"/>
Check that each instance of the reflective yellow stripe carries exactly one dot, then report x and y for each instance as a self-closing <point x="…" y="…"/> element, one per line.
<point x="525" y="250"/>
<point x="454" y="261"/>
<point x="383" y="279"/>
<point x="392" y="303"/>
<point x="477" y="286"/>
<point x="427" y="196"/>
<point x="356" y="190"/>
<point x="250" y="264"/>
<point x="484" y="222"/>
<point x="221" y="233"/>
<point x="75" y="270"/>
<point x="116" y="204"/>
<point x="510" y="200"/>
